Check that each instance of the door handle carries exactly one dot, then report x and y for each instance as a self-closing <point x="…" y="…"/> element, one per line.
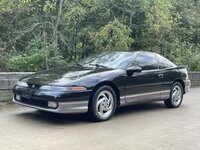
<point x="160" y="75"/>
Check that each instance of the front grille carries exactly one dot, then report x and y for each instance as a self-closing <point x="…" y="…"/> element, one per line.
<point x="35" y="102"/>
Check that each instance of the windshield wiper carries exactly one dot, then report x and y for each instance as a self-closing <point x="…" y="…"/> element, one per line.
<point x="98" y="65"/>
<point x="78" y="64"/>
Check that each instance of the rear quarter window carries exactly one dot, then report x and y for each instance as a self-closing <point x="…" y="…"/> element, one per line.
<point x="164" y="62"/>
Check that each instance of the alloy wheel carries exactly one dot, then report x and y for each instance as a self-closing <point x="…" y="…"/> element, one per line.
<point x="176" y="95"/>
<point x="105" y="104"/>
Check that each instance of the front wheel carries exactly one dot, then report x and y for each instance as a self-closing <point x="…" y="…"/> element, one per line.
<point x="176" y="96"/>
<point x="103" y="104"/>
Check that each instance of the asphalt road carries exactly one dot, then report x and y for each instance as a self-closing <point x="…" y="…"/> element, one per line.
<point x="144" y="127"/>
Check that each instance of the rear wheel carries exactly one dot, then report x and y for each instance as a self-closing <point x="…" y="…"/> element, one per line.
<point x="176" y="96"/>
<point x="103" y="104"/>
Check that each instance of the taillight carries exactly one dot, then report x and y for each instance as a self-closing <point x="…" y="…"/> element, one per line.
<point x="185" y="73"/>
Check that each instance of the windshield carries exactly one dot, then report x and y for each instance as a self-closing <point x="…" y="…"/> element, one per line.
<point x="118" y="60"/>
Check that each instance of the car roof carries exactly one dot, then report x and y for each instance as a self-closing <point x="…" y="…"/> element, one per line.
<point x="141" y="51"/>
<point x="133" y="52"/>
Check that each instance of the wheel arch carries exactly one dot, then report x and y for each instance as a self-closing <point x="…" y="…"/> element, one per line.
<point x="181" y="82"/>
<point x="108" y="83"/>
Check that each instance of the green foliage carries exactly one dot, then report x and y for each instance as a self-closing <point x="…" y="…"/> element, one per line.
<point x="33" y="62"/>
<point x="34" y="58"/>
<point x="113" y="36"/>
<point x="190" y="56"/>
<point x="37" y="35"/>
<point x="4" y="60"/>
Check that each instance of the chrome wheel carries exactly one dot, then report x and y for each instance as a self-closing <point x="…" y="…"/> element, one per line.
<point x="176" y="95"/>
<point x="105" y="104"/>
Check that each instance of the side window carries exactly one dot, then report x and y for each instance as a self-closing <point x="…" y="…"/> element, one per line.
<point x="165" y="63"/>
<point x="146" y="61"/>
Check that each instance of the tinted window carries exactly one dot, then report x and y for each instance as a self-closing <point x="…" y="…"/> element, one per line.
<point x="164" y="63"/>
<point x="147" y="61"/>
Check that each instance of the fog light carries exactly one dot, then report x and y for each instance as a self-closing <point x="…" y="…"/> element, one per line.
<point x="18" y="97"/>
<point x="52" y="104"/>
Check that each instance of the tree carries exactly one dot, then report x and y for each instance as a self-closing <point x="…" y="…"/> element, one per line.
<point x="58" y="32"/>
<point x="113" y="36"/>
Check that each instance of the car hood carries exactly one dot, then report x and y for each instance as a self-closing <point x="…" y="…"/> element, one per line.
<point x="66" y="76"/>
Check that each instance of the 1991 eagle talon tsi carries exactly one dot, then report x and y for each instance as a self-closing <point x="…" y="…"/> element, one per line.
<point x="103" y="82"/>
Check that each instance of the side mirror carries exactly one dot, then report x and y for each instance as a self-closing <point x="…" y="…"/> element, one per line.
<point x="131" y="70"/>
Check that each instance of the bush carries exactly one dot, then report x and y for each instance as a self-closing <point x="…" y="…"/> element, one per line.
<point x="34" y="58"/>
<point x="188" y="54"/>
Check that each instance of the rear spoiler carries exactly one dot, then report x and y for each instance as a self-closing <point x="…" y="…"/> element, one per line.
<point x="178" y="67"/>
<point x="181" y="67"/>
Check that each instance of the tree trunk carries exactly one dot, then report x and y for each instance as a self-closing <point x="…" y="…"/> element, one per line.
<point x="45" y="47"/>
<point x="55" y="31"/>
<point x="131" y="19"/>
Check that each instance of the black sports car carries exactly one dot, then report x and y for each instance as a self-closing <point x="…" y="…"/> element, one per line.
<point x="100" y="83"/>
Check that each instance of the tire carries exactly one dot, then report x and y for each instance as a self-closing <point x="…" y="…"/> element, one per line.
<point x="103" y="104"/>
<point x="176" y="96"/>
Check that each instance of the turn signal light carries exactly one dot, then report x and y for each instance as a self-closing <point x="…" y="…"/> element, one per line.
<point x="78" y="88"/>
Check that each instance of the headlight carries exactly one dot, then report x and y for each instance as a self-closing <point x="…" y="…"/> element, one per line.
<point x="24" y="84"/>
<point x="63" y="89"/>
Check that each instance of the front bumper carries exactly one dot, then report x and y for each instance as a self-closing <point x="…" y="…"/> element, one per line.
<point x="67" y="102"/>
<point x="63" y="107"/>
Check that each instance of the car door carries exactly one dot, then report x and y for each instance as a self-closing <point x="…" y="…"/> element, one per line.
<point x="145" y="85"/>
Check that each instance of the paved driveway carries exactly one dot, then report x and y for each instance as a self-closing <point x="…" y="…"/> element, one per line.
<point x="143" y="127"/>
